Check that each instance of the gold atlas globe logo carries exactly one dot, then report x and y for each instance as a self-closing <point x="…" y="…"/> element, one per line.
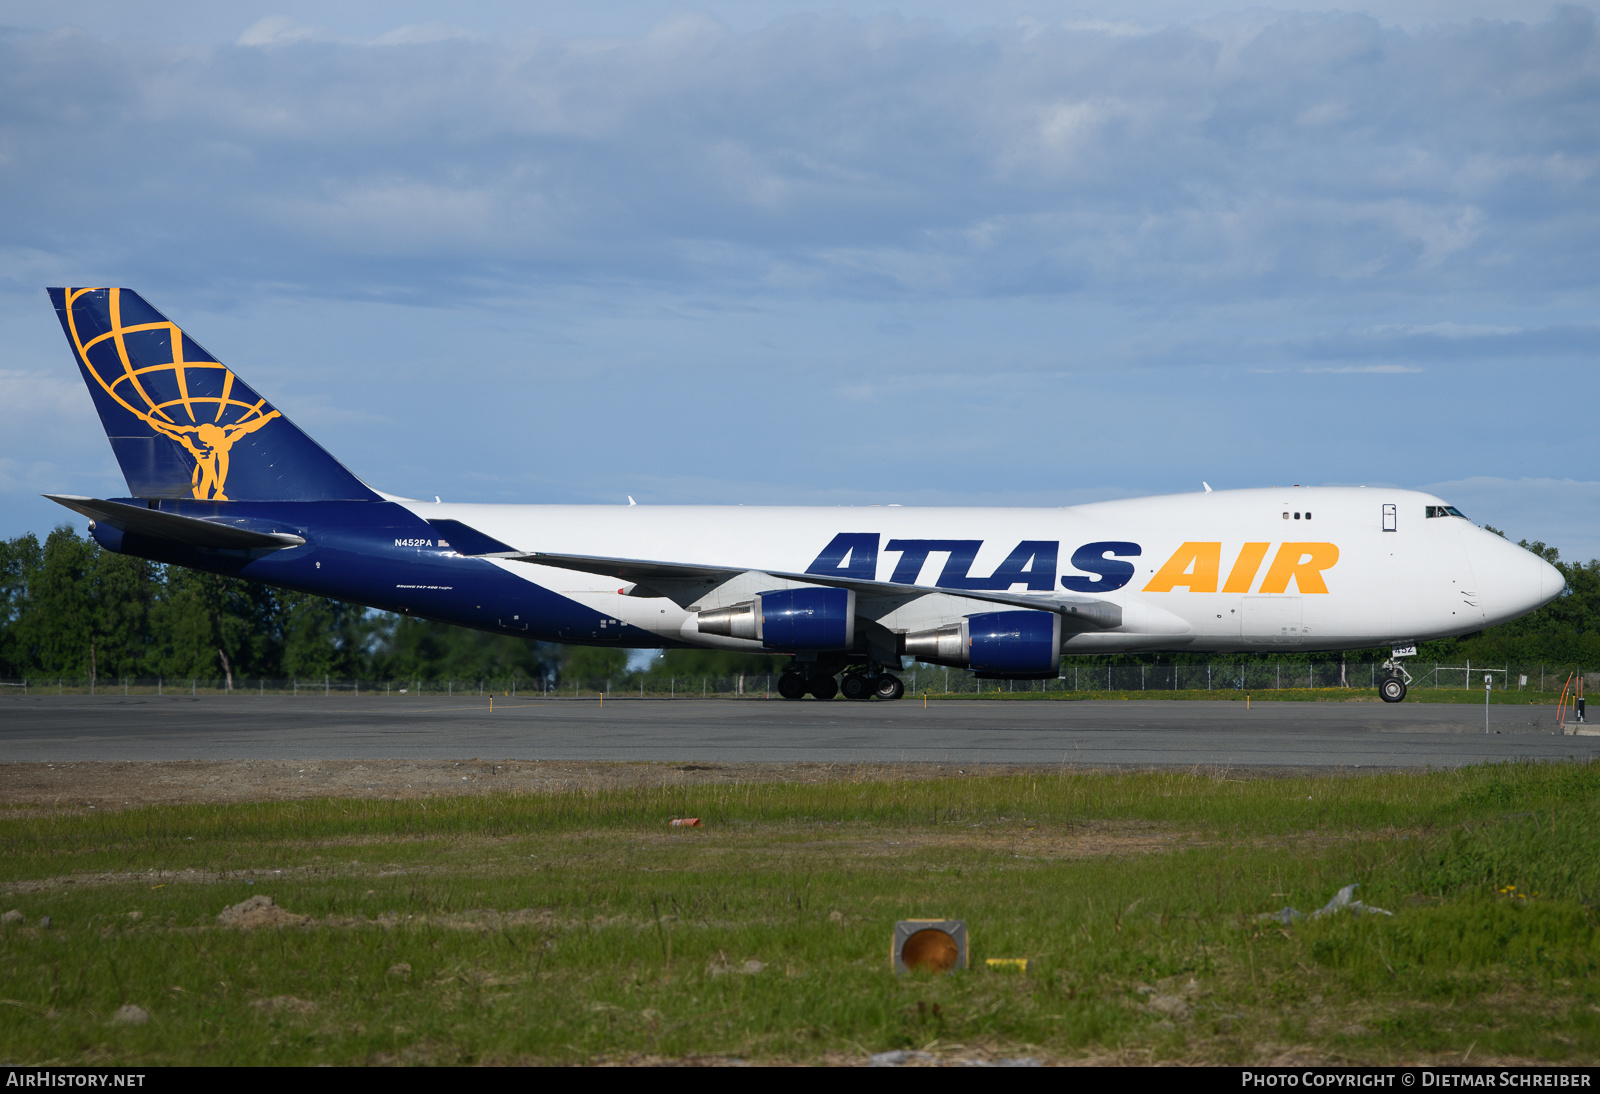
<point x="191" y="402"/>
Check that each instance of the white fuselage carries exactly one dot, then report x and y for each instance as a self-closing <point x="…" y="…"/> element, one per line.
<point x="1263" y="569"/>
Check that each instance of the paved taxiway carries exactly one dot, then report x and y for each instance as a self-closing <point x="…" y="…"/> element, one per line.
<point x="1157" y="733"/>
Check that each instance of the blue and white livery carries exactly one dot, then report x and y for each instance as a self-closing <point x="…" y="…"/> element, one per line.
<point x="219" y="480"/>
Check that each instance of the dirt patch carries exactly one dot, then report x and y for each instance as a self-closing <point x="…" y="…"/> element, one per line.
<point x="258" y="911"/>
<point x="102" y="785"/>
<point x="1051" y="842"/>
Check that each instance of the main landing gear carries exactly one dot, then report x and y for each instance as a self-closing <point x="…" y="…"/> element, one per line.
<point x="860" y="683"/>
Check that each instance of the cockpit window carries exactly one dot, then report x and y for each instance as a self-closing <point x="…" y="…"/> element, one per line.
<point x="1445" y="511"/>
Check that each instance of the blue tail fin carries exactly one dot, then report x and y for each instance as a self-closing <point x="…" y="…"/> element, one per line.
<point x="181" y="424"/>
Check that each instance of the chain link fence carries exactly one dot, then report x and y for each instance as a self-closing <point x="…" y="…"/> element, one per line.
<point x="1250" y="676"/>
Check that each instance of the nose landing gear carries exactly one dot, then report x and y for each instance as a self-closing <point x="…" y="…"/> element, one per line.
<point x="1392" y="688"/>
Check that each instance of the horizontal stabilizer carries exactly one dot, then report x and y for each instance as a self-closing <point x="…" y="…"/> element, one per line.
<point x="170" y="526"/>
<point x="1085" y="611"/>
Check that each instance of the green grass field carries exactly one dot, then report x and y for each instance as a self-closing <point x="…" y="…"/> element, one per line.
<point x="579" y="927"/>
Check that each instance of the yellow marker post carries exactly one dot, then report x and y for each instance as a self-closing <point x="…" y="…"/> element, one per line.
<point x="491" y="704"/>
<point x="1247" y="702"/>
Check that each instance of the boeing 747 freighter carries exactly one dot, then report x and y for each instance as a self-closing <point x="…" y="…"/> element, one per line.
<point x="219" y="480"/>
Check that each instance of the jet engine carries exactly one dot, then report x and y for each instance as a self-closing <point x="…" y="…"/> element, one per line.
<point x="790" y="619"/>
<point x="1016" y="644"/>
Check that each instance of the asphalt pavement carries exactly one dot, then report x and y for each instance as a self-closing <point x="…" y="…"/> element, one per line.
<point x="1095" y="733"/>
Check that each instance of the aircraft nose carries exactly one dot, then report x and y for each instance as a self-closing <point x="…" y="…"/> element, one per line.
<point x="1550" y="583"/>
<point x="1512" y="581"/>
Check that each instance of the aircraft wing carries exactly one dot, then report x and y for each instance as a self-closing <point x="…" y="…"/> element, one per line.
<point x="683" y="583"/>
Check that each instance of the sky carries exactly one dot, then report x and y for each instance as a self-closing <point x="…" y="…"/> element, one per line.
<point x="771" y="253"/>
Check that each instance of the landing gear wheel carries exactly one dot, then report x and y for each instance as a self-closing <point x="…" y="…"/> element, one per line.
<point x="824" y="687"/>
<point x="791" y="685"/>
<point x="1392" y="689"/>
<point x="889" y="688"/>
<point x="857" y="687"/>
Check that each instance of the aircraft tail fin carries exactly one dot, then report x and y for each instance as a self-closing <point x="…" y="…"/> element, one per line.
<point x="181" y="424"/>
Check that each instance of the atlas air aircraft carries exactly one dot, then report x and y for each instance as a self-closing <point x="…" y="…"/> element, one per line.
<point x="220" y="480"/>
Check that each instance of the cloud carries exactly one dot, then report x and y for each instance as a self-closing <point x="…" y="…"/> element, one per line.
<point x="1286" y="155"/>
<point x="1030" y="260"/>
<point x="279" y="30"/>
<point x="1374" y="369"/>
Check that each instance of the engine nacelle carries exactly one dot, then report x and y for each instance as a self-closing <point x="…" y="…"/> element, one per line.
<point x="1021" y="644"/>
<point x="789" y="619"/>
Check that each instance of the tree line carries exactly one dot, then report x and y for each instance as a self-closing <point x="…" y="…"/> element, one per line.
<point x="69" y="608"/>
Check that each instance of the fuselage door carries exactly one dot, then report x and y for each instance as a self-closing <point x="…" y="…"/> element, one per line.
<point x="1271" y="620"/>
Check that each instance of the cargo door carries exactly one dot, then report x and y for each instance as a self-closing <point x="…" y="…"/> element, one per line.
<point x="1271" y="621"/>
